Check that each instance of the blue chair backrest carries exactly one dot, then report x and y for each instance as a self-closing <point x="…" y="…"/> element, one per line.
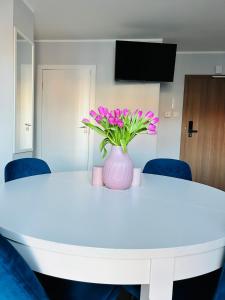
<point x="25" y="167"/>
<point x="17" y="280"/>
<point x="168" y="167"/>
<point x="220" y="291"/>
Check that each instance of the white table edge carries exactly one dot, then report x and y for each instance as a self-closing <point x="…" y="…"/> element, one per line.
<point x="110" y="252"/>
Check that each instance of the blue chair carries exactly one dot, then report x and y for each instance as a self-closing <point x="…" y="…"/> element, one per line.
<point x="133" y="290"/>
<point x="168" y="167"/>
<point x="25" y="167"/>
<point x="198" y="288"/>
<point x="17" y="280"/>
<point x="220" y="291"/>
<point x="69" y="290"/>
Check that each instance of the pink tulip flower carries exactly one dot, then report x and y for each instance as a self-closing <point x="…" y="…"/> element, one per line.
<point x="103" y="111"/>
<point x="152" y="129"/>
<point x="93" y="114"/>
<point x="98" y="119"/>
<point x="140" y="114"/>
<point x="112" y="120"/>
<point x="117" y="113"/>
<point x="85" y="121"/>
<point x="120" y="123"/>
<point x="125" y="112"/>
<point x="155" y="120"/>
<point x="149" y="115"/>
<point x="108" y="114"/>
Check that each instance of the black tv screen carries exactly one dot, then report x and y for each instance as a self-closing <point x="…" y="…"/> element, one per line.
<point x="142" y="61"/>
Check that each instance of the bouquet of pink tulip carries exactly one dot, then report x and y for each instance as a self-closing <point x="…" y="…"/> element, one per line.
<point x="120" y="126"/>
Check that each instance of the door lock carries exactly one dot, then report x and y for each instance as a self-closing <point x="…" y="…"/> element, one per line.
<point x="190" y="129"/>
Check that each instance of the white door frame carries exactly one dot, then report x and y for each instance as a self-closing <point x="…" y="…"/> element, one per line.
<point x="39" y="105"/>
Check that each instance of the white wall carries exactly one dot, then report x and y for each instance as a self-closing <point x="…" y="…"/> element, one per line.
<point x="9" y="15"/>
<point x="23" y="19"/>
<point x="170" y="128"/>
<point x="108" y="93"/>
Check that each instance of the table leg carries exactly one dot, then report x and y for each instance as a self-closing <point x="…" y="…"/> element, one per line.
<point x="144" y="292"/>
<point x="161" y="281"/>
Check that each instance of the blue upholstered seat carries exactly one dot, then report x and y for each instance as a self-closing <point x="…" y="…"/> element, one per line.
<point x="25" y="167"/>
<point x="69" y="290"/>
<point x="168" y="167"/>
<point x="17" y="280"/>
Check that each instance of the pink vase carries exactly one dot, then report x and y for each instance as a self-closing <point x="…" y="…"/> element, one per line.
<point x="118" y="170"/>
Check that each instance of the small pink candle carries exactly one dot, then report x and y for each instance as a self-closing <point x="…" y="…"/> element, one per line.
<point x="136" y="177"/>
<point x="97" y="176"/>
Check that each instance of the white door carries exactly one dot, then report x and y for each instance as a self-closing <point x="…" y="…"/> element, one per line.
<point x="66" y="95"/>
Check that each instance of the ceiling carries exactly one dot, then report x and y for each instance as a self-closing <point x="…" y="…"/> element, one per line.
<point x="196" y="25"/>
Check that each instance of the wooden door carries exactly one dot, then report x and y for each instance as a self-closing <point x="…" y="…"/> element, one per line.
<point x="65" y="143"/>
<point x="204" y="150"/>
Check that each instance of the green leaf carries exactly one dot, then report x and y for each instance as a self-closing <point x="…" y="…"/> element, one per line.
<point x="102" y="147"/>
<point x="123" y="145"/>
<point x="143" y="129"/>
<point x="96" y="128"/>
<point x="111" y="138"/>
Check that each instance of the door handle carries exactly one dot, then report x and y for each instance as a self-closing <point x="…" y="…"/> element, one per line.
<point x="190" y="129"/>
<point x="85" y="129"/>
<point x="28" y="125"/>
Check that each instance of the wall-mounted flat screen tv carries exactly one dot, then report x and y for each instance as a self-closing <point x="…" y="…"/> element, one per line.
<point x="143" y="61"/>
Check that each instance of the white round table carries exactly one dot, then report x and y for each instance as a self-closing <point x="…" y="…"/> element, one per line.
<point x="165" y="230"/>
